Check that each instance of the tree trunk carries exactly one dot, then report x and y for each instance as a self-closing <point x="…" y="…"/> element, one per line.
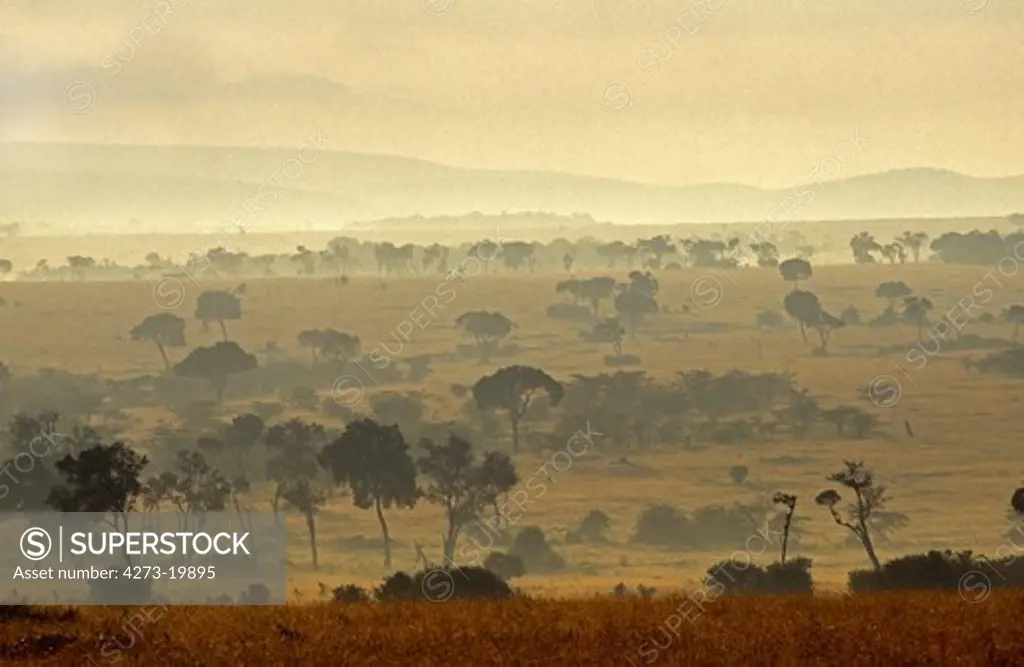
<point x="870" y="548"/>
<point x="223" y="330"/>
<point x="785" y="533"/>
<point x="515" y="431"/>
<point x="384" y="531"/>
<point x="311" y="526"/>
<point x="803" y="330"/>
<point x="163" y="354"/>
<point x="219" y="384"/>
<point x="865" y="536"/>
<point x="449" y="543"/>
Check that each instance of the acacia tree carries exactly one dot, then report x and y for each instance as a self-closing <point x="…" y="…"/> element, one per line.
<point x="862" y="245"/>
<point x="915" y="311"/>
<point x="488" y="329"/>
<point x="329" y="343"/>
<point x="914" y="241"/>
<point x="804" y="307"/>
<point x="511" y="389"/>
<point x="794" y="270"/>
<point x="194" y="487"/>
<point x="637" y="299"/>
<point x="868" y="509"/>
<point x="214" y="364"/>
<point x="460" y="486"/>
<point x="294" y="467"/>
<point x="595" y="290"/>
<point x="163" y="330"/>
<point x="373" y="460"/>
<point x="217" y="307"/>
<point x="892" y="291"/>
<point x="102" y="479"/>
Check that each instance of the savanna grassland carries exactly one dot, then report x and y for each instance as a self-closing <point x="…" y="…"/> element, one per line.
<point x="952" y="478"/>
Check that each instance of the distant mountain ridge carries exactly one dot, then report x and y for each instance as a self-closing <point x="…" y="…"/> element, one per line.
<point x="189" y="188"/>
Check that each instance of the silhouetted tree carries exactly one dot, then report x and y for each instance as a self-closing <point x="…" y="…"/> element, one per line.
<point x="217" y="307"/>
<point x="511" y="389"/>
<point x="914" y="241"/>
<point x="488" y="329"/>
<point x="870" y="501"/>
<point x="595" y="290"/>
<point x="915" y="311"/>
<point x="609" y="330"/>
<point x="102" y="479"/>
<point x="294" y="467"/>
<point x="214" y="364"/>
<point x="329" y="343"/>
<point x="863" y="245"/>
<point x="164" y="330"/>
<point x="459" y="485"/>
<point x="789" y="501"/>
<point x="892" y="291"/>
<point x="373" y="460"/>
<point x="794" y="270"/>
<point x="633" y="304"/>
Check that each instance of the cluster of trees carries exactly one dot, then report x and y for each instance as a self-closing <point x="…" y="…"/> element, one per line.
<point x="344" y="255"/>
<point x="635" y="412"/>
<point x="303" y="463"/>
<point x="866" y="250"/>
<point x="977" y="247"/>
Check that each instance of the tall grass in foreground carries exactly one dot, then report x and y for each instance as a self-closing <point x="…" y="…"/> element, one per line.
<point x="895" y="629"/>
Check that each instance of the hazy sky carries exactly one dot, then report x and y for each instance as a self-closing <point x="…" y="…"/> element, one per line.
<point x="751" y="91"/>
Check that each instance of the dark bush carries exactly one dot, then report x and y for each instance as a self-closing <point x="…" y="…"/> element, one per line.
<point x="350" y="594"/>
<point x="940" y="570"/>
<point x="661" y="525"/>
<point x="710" y="527"/>
<point x="464" y="583"/>
<point x="733" y="577"/>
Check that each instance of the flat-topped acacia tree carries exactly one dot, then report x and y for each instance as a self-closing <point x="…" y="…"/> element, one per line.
<point x="214" y="364"/>
<point x="217" y="307"/>
<point x="373" y="460"/>
<point x="511" y="389"/>
<point x="163" y="330"/>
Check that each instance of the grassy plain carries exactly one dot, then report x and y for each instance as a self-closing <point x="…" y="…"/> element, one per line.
<point x="953" y="479"/>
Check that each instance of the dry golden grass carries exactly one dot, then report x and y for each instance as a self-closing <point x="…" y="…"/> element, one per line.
<point x="907" y="629"/>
